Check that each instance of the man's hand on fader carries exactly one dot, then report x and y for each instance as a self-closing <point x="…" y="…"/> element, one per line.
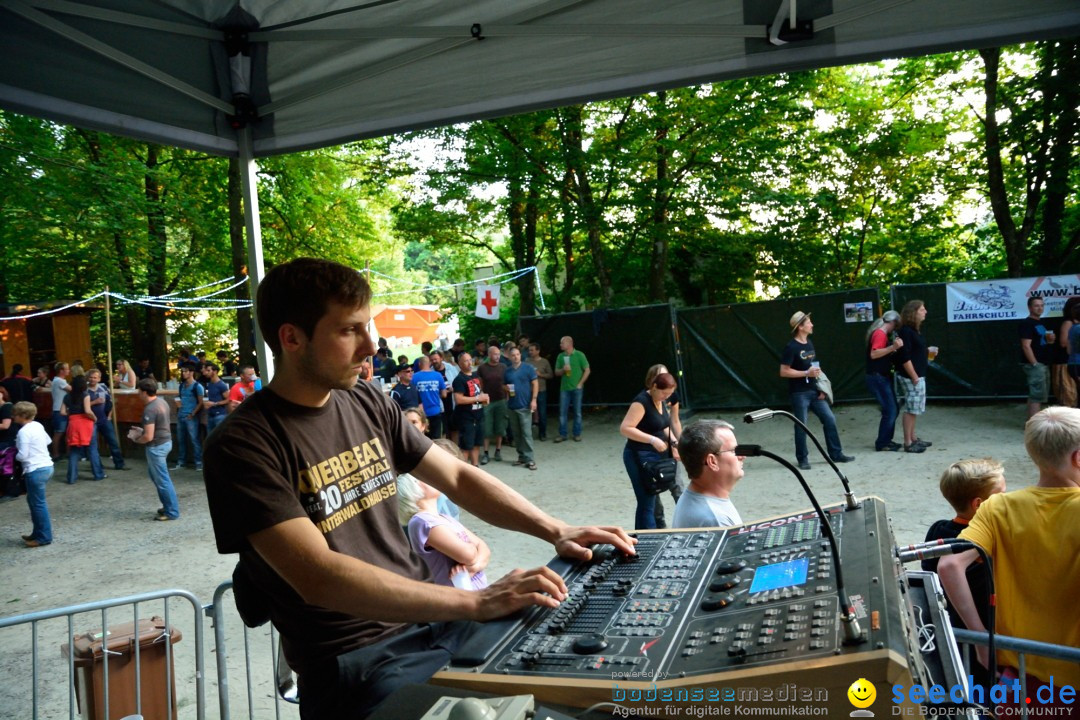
<point x="574" y="542"/>
<point x="516" y="590"/>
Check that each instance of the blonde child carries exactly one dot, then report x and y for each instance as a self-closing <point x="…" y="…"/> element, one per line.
<point x="415" y="417"/>
<point x="455" y="556"/>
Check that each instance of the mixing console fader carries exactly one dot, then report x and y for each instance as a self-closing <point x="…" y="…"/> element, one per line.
<point x="694" y="605"/>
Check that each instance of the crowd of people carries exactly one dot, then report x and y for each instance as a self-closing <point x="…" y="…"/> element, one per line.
<point x="82" y="414"/>
<point x="487" y="398"/>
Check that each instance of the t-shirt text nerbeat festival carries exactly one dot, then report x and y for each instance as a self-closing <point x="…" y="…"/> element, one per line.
<point x="345" y="485"/>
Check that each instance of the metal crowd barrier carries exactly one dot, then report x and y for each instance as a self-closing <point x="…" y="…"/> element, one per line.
<point x="277" y="682"/>
<point x="44" y="696"/>
<point x="261" y="649"/>
<point x="967" y="639"/>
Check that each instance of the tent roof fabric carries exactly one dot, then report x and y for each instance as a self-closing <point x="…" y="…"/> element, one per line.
<point x="323" y="72"/>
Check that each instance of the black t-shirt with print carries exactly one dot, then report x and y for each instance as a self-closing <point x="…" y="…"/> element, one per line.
<point x="469" y="386"/>
<point x="798" y="356"/>
<point x="337" y="466"/>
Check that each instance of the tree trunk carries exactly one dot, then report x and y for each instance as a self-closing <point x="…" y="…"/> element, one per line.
<point x="245" y="328"/>
<point x="1036" y="149"/>
<point x="158" y="245"/>
<point x="527" y="283"/>
<point x="1062" y="94"/>
<point x="573" y="138"/>
<point x="566" y="299"/>
<point x="658" y="228"/>
<point x="515" y="218"/>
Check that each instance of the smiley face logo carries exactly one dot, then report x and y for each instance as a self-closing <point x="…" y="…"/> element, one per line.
<point x="862" y="693"/>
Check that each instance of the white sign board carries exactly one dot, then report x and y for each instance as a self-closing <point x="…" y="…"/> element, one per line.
<point x="1006" y="299"/>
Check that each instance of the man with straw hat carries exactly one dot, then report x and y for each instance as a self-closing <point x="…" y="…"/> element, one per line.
<point x="798" y="363"/>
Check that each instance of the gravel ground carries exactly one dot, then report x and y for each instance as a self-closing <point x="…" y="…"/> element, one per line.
<point x="107" y="544"/>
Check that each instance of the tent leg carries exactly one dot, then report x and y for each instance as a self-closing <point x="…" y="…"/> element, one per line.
<point x="253" y="228"/>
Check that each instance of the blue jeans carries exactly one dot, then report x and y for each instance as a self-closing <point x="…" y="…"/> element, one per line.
<point x="212" y="421"/>
<point x="187" y="430"/>
<point x="645" y="513"/>
<point x="881" y="388"/>
<point x="39" y="509"/>
<point x="565" y="398"/>
<point x="800" y="403"/>
<point x="157" y="462"/>
<point x="106" y="429"/>
<point x="541" y="413"/>
<point x="84" y="451"/>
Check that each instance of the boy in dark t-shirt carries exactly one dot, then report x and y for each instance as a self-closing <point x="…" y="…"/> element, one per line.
<point x="966" y="484"/>
<point x="300" y="482"/>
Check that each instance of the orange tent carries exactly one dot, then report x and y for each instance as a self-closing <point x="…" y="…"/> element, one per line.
<point x="413" y="324"/>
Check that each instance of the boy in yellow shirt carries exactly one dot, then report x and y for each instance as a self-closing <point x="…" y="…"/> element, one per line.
<point x="1033" y="536"/>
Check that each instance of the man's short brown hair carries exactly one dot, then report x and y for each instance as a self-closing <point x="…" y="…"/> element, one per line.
<point x="298" y="293"/>
<point x="147" y="386"/>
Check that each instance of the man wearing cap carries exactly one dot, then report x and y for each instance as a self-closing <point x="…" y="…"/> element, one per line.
<point x="798" y="363"/>
<point x="879" y="375"/>
<point x="404" y="394"/>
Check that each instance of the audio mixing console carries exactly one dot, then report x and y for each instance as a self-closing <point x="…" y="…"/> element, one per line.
<point x="753" y="606"/>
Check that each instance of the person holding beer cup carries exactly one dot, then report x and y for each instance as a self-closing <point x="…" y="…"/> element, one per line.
<point x="1036" y="344"/>
<point x="912" y="362"/>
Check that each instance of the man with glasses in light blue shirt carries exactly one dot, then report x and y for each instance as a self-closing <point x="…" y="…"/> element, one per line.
<point x="707" y="451"/>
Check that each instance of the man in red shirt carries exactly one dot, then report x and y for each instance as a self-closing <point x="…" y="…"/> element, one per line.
<point x="244" y="387"/>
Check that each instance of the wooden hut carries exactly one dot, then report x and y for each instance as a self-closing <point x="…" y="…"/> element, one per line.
<point x="36" y="340"/>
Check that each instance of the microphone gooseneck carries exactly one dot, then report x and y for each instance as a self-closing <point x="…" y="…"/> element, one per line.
<point x="850" y="501"/>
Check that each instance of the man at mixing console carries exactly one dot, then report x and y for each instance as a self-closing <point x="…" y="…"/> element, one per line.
<point x="1032" y="535"/>
<point x="707" y="449"/>
<point x="300" y="481"/>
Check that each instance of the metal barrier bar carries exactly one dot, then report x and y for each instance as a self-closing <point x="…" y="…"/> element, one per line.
<point x="218" y="621"/>
<point x="69" y="612"/>
<point x="1020" y="646"/>
<point x="217" y="613"/>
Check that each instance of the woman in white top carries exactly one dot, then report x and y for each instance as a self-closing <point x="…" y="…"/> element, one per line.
<point x="125" y="376"/>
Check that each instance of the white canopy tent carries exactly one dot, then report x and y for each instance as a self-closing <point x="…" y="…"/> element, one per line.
<point x="260" y="77"/>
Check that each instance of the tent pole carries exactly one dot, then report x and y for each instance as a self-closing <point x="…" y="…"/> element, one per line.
<point x="249" y="188"/>
<point x="111" y="366"/>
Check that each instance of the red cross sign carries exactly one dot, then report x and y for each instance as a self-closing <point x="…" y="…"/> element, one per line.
<point x="487" y="302"/>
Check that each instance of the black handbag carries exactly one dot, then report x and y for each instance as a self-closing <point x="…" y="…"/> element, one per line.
<point x="658" y="476"/>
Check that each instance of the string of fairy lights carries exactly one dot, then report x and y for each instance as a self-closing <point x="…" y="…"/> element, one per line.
<point x="185" y="301"/>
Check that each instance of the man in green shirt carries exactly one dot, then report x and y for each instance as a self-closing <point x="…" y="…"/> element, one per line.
<point x="572" y="366"/>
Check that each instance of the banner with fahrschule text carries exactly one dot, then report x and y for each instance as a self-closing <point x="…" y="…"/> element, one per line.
<point x="1007" y="299"/>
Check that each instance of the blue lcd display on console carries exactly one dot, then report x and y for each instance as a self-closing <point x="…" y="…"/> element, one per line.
<point x="780" y="575"/>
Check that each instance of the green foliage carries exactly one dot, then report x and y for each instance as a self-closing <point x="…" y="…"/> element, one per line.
<point x="845" y="177"/>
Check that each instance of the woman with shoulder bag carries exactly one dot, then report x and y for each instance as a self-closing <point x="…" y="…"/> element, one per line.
<point x="676" y="431"/>
<point x="650" y="440"/>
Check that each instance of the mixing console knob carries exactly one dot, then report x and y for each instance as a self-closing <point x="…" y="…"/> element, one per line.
<point x="716" y="602"/>
<point x="730" y="566"/>
<point x="725" y="582"/>
<point x="590" y="644"/>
